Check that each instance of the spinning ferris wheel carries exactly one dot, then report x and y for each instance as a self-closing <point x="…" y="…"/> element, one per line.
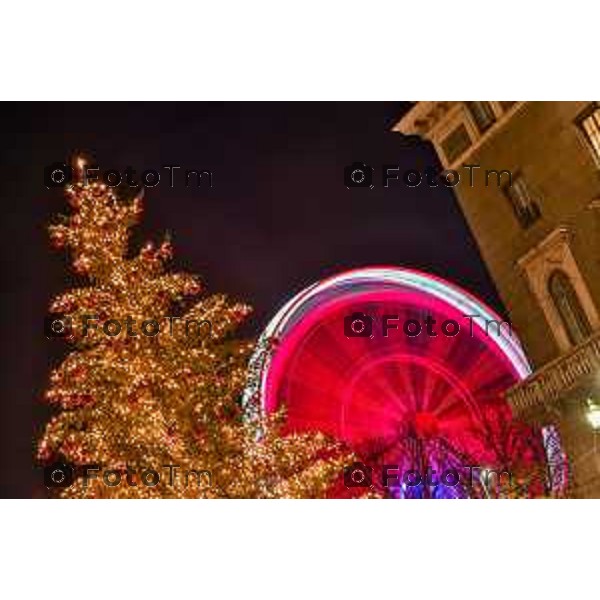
<point x="402" y="366"/>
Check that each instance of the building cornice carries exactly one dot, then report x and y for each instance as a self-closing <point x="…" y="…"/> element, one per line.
<point x="434" y="120"/>
<point x="423" y="117"/>
<point x="559" y="236"/>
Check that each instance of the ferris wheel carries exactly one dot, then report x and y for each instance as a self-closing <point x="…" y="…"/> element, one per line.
<point x="389" y="360"/>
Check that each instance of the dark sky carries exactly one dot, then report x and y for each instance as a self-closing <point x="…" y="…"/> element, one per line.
<point x="277" y="218"/>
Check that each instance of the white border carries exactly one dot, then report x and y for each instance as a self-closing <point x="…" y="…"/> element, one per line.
<point x="298" y="549"/>
<point x="268" y="50"/>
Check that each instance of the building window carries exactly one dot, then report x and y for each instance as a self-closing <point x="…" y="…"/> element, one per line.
<point x="482" y="114"/>
<point x="456" y="143"/>
<point x="566" y="302"/>
<point x="589" y="123"/>
<point x="524" y="206"/>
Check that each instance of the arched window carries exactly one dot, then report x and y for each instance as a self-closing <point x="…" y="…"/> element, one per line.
<point x="567" y="304"/>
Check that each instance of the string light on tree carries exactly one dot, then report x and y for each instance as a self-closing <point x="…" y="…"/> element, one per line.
<point x="140" y="402"/>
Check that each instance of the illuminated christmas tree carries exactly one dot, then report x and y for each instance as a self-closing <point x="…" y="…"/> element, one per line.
<point x="155" y="377"/>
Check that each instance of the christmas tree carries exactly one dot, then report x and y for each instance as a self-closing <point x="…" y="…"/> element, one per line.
<point x="155" y="376"/>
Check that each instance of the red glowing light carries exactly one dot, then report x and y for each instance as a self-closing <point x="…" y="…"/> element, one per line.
<point x="381" y="389"/>
<point x="426" y="425"/>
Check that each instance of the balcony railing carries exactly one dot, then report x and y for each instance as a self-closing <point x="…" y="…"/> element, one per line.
<point x="547" y="384"/>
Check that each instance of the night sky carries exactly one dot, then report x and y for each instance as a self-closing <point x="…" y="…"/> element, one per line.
<point x="277" y="218"/>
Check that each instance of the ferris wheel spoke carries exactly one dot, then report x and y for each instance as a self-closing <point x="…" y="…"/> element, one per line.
<point x="398" y="396"/>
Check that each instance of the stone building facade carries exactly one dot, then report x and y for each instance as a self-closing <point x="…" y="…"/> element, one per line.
<point x="527" y="177"/>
